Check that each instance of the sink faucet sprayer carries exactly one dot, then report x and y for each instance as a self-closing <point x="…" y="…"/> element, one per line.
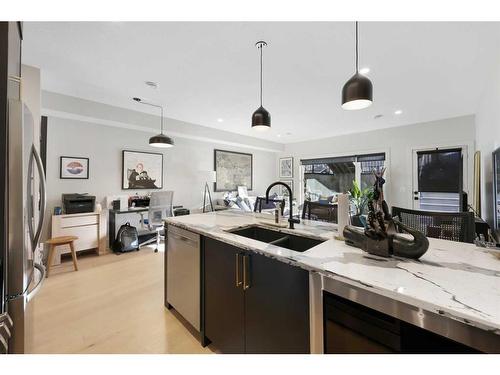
<point x="291" y="220"/>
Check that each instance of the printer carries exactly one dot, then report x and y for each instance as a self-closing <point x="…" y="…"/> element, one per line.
<point x="78" y="203"/>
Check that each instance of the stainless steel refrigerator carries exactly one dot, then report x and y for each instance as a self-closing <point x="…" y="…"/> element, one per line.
<point x="25" y="272"/>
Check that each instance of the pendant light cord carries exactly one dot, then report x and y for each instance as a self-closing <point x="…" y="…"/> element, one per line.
<point x="357" y="68"/>
<point x="260" y="47"/>
<point x="161" y="108"/>
<point x="157" y="106"/>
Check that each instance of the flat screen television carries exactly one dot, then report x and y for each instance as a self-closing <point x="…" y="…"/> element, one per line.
<point x="496" y="191"/>
<point x="440" y="171"/>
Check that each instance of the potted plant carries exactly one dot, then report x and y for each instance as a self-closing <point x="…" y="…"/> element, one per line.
<point x="359" y="199"/>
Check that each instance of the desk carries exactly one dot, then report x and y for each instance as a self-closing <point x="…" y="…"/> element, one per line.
<point x="86" y="226"/>
<point x="119" y="217"/>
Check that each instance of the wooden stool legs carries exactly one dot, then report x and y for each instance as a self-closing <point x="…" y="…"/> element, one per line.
<point x="51" y="258"/>
<point x="73" y="255"/>
<point x="53" y="242"/>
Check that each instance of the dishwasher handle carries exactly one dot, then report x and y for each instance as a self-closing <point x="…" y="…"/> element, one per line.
<point x="182" y="238"/>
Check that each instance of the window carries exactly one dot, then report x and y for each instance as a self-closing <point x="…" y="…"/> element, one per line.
<point x="326" y="177"/>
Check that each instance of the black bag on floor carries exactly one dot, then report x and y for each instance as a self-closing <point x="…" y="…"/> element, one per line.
<point x="127" y="239"/>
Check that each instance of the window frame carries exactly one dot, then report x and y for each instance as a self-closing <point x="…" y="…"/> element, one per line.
<point x="387" y="188"/>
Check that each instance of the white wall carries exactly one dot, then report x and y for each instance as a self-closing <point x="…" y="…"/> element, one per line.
<point x="397" y="143"/>
<point x="488" y="139"/>
<point x="103" y="145"/>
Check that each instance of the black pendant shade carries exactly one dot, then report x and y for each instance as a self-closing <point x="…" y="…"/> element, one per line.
<point x="357" y="92"/>
<point x="161" y="140"/>
<point x="261" y="119"/>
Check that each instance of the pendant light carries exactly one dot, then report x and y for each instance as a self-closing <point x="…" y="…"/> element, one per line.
<point x="261" y="119"/>
<point x="159" y="140"/>
<point x="357" y="93"/>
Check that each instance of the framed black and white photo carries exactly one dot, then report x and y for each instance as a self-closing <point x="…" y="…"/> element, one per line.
<point x="286" y="167"/>
<point x="142" y="170"/>
<point x="74" y="168"/>
<point x="283" y="191"/>
<point x="232" y="169"/>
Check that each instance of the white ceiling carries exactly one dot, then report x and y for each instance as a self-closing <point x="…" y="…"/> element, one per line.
<point x="208" y="71"/>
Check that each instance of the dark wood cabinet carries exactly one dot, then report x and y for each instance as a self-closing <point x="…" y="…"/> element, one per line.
<point x="224" y="301"/>
<point x="252" y="303"/>
<point x="276" y="307"/>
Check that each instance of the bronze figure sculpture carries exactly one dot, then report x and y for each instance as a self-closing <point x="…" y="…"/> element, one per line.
<point x="383" y="235"/>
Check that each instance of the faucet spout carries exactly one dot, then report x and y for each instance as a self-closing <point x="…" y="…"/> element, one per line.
<point x="291" y="219"/>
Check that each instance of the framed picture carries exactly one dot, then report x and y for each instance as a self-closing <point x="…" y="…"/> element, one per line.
<point x="232" y="169"/>
<point x="73" y="167"/>
<point x="283" y="190"/>
<point x="142" y="170"/>
<point x="286" y="167"/>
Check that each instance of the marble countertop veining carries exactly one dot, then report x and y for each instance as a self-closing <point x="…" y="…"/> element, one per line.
<point x="453" y="279"/>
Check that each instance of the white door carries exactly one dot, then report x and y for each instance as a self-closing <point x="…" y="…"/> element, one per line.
<point x="445" y="201"/>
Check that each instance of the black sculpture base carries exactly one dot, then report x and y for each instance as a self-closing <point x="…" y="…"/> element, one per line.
<point x="392" y="244"/>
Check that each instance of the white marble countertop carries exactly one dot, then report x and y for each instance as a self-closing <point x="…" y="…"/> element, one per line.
<point x="453" y="279"/>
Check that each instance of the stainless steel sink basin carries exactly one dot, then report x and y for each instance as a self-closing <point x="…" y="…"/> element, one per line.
<point x="285" y="240"/>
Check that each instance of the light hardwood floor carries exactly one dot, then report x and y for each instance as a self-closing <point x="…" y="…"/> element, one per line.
<point x="113" y="304"/>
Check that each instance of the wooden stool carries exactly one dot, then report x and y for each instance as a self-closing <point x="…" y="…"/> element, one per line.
<point x="59" y="241"/>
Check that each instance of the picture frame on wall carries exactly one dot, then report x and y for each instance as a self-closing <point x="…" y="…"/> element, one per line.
<point x="73" y="168"/>
<point x="142" y="170"/>
<point x="286" y="167"/>
<point x="232" y="169"/>
<point x="283" y="190"/>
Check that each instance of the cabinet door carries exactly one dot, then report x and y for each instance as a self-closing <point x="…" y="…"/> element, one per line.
<point x="224" y="300"/>
<point x="276" y="306"/>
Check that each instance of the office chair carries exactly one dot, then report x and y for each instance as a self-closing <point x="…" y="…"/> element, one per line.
<point x="320" y="211"/>
<point x="453" y="226"/>
<point x="260" y="204"/>
<point x="160" y="207"/>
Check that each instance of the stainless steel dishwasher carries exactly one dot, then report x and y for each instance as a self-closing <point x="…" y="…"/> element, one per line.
<point x="183" y="274"/>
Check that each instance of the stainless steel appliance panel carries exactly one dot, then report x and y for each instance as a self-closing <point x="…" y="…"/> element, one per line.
<point x="27" y="201"/>
<point x="183" y="274"/>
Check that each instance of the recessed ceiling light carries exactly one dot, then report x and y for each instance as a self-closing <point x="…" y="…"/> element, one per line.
<point x="364" y="70"/>
<point x="220" y="120"/>
<point x="151" y="84"/>
<point x="398" y="112"/>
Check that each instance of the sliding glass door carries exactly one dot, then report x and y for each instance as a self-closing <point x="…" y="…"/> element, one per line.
<point x="324" y="178"/>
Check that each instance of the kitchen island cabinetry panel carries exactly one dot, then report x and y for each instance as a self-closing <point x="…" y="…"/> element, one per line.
<point x="276" y="307"/>
<point x="254" y="304"/>
<point x="224" y="302"/>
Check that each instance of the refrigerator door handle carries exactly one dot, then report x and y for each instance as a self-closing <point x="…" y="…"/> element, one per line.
<point x="31" y="294"/>
<point x="29" y="198"/>
<point x="43" y="196"/>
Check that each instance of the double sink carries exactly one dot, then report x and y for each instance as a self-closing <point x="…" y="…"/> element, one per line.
<point x="273" y="237"/>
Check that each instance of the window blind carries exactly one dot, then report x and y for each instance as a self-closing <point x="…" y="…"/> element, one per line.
<point x="345" y="159"/>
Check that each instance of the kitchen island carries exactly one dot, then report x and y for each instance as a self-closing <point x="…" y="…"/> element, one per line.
<point x="453" y="291"/>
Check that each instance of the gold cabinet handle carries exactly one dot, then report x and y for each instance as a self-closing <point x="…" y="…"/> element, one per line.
<point x="238" y="281"/>
<point x="246" y="272"/>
